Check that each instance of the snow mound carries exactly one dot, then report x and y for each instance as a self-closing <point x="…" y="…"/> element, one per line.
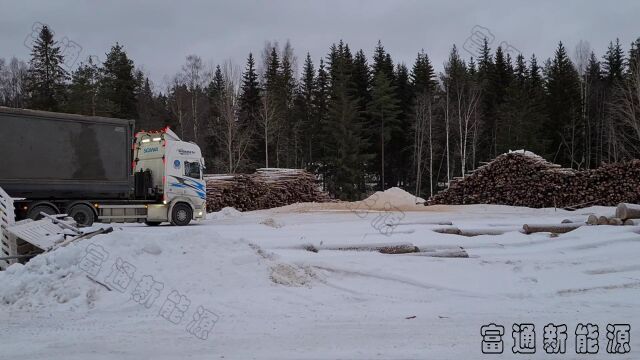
<point x="52" y="279"/>
<point x="224" y="213"/>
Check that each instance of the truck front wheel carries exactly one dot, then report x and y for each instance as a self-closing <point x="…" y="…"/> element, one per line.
<point x="181" y="214"/>
<point x="82" y="214"/>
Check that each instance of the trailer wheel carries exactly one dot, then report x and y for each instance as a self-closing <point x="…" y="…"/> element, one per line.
<point x="82" y="214"/>
<point x="181" y="214"/>
<point x="35" y="211"/>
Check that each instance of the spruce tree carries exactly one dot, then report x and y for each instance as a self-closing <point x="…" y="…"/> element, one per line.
<point x="383" y="110"/>
<point x="399" y="148"/>
<point x="345" y="157"/>
<point x="321" y="115"/>
<point x="83" y="90"/>
<point x="423" y="78"/>
<point x="561" y="132"/>
<point x="361" y="80"/>
<point x="249" y="94"/>
<point x="46" y="76"/>
<point x="118" y="84"/>
<point x="305" y="110"/>
<point x="215" y="92"/>
<point x="613" y="64"/>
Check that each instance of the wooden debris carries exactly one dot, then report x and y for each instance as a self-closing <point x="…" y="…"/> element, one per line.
<point x="525" y="179"/>
<point x="264" y="189"/>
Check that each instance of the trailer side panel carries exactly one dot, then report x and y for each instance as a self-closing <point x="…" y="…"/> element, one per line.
<point x="51" y="156"/>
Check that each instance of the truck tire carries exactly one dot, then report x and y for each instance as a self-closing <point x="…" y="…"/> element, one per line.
<point x="82" y="214"/>
<point x="35" y="211"/>
<point x="181" y="214"/>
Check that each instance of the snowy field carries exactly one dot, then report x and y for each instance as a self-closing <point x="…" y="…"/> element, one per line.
<point x="271" y="297"/>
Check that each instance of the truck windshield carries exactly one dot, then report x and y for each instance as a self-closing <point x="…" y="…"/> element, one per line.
<point x="192" y="169"/>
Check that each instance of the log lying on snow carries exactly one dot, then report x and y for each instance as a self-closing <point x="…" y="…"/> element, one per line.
<point x="264" y="189"/>
<point x="615" y="221"/>
<point x="476" y="231"/>
<point x="634" y="222"/>
<point x="628" y="211"/>
<point x="525" y="179"/>
<point x="396" y="248"/>
<point x="592" y="219"/>
<point x="389" y="248"/>
<point x="553" y="228"/>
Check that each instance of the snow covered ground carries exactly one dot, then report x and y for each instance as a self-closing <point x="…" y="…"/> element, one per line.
<point x="270" y="297"/>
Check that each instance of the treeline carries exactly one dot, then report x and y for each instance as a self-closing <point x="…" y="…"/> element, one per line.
<point x="360" y="124"/>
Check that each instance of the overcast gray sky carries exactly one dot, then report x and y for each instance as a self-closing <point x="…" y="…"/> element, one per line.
<point x="158" y="35"/>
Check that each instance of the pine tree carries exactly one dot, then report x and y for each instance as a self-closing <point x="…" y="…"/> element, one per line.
<point x="46" y="77"/>
<point x="118" y="84"/>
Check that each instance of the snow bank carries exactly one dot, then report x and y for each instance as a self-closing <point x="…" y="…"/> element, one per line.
<point x="49" y="280"/>
<point x="224" y="213"/>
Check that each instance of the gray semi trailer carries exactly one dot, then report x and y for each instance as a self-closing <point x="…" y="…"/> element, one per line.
<point x="98" y="169"/>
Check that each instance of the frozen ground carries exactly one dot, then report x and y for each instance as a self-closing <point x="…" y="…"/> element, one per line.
<point x="274" y="299"/>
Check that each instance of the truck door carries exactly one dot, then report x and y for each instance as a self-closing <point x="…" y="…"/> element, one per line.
<point x="186" y="179"/>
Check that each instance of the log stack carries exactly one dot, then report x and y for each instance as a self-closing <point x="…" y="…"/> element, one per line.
<point x="525" y="179"/>
<point x="264" y="189"/>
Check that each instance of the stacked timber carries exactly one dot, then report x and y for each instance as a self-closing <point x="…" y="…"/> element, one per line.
<point x="264" y="189"/>
<point x="525" y="179"/>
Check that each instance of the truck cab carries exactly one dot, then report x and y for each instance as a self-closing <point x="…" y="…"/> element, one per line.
<point x="169" y="170"/>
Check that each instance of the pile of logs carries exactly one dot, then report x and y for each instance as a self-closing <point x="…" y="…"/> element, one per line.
<point x="525" y="179"/>
<point x="626" y="214"/>
<point x="264" y="189"/>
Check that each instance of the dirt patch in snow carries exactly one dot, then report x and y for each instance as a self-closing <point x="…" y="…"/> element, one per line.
<point x="271" y="222"/>
<point x="290" y="275"/>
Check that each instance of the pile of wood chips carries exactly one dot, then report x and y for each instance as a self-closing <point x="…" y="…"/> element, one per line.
<point x="525" y="179"/>
<point x="264" y="189"/>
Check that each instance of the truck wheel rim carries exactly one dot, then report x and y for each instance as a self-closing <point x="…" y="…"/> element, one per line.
<point x="182" y="215"/>
<point x="80" y="218"/>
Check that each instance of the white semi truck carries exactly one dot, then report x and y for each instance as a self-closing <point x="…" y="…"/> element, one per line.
<point x="97" y="169"/>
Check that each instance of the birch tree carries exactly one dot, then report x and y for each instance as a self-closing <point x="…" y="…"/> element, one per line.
<point x="194" y="78"/>
<point x="235" y="139"/>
